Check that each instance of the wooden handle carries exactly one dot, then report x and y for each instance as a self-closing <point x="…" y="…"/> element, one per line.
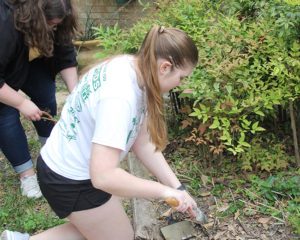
<point x="172" y="201"/>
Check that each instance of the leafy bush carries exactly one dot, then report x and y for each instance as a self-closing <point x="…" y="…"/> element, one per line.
<point x="265" y="155"/>
<point x="249" y="63"/>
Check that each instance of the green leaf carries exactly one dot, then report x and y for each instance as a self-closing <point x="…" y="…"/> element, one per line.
<point x="215" y="124"/>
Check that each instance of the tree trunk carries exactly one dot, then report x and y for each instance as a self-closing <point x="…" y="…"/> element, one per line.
<point x="294" y="133"/>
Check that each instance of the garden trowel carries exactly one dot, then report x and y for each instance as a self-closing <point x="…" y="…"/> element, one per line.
<point x="182" y="230"/>
<point x="200" y="216"/>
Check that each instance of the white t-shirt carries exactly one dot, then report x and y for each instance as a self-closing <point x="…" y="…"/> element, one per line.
<point x="106" y="107"/>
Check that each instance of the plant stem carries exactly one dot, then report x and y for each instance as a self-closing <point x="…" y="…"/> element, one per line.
<point x="291" y="105"/>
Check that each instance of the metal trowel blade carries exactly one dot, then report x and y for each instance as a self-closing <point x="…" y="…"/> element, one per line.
<point x="200" y="216"/>
<point x="178" y="231"/>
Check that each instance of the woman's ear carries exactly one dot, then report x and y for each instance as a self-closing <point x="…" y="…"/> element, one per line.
<point x="165" y="67"/>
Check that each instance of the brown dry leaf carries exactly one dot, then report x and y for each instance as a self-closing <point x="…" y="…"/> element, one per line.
<point x="219" y="234"/>
<point x="209" y="225"/>
<point x="204" y="194"/>
<point x="264" y="237"/>
<point x="266" y="226"/>
<point x="239" y="238"/>
<point x="232" y="229"/>
<point x="264" y="220"/>
<point x="167" y="213"/>
<point x="212" y="207"/>
<point x="204" y="179"/>
<point x="224" y="207"/>
<point x="219" y="180"/>
<point x="237" y="214"/>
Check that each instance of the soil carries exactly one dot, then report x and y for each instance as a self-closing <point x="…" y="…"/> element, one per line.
<point x="254" y="226"/>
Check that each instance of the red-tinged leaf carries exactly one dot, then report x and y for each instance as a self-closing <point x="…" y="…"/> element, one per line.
<point x="229" y="104"/>
<point x="202" y="128"/>
<point x="187" y="91"/>
<point x="223" y="106"/>
<point x="185" y="123"/>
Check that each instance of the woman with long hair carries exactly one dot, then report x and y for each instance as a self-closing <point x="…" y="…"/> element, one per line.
<point x="35" y="46"/>
<point x="117" y="106"/>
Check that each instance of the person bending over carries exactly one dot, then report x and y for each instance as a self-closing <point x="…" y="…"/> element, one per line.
<point x="117" y="106"/>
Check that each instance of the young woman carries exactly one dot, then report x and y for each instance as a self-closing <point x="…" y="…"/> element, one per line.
<point x="117" y="106"/>
<point x="35" y="45"/>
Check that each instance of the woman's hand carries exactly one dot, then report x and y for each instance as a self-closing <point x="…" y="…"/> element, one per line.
<point x="30" y="110"/>
<point x="186" y="204"/>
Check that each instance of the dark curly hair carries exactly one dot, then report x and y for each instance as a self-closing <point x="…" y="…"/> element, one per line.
<point x="31" y="17"/>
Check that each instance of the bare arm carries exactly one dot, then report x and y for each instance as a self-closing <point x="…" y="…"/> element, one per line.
<point x="106" y="175"/>
<point x="11" y="97"/>
<point x="154" y="161"/>
<point x="69" y="76"/>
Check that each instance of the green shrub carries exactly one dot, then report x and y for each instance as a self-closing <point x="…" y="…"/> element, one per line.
<point x="248" y="64"/>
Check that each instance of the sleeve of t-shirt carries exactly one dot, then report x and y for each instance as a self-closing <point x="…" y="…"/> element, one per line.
<point x="65" y="56"/>
<point x="112" y="123"/>
<point x="7" y="40"/>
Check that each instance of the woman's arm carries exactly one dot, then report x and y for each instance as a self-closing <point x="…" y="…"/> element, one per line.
<point x="69" y="76"/>
<point x="11" y="97"/>
<point x="154" y="161"/>
<point x="107" y="176"/>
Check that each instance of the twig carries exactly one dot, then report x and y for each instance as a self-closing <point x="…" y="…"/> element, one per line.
<point x="213" y="183"/>
<point x="279" y="193"/>
<point x="245" y="229"/>
<point x="232" y="196"/>
<point x="183" y="176"/>
<point x="254" y="194"/>
<point x="216" y="220"/>
<point x="260" y="211"/>
<point x="49" y="117"/>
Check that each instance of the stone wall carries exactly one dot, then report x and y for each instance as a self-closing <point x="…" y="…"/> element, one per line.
<point x="108" y="12"/>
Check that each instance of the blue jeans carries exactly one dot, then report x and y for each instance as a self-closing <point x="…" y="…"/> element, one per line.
<point x="40" y="87"/>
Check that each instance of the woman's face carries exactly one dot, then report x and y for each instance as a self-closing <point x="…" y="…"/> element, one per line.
<point x="54" y="22"/>
<point x="170" y="77"/>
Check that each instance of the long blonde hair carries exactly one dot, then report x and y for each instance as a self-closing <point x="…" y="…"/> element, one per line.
<point x="179" y="49"/>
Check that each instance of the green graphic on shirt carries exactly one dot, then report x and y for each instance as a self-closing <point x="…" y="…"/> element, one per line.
<point x="84" y="89"/>
<point x="130" y="132"/>
<point x="97" y="78"/>
<point x="104" y="74"/>
<point x="78" y="105"/>
<point x="65" y="132"/>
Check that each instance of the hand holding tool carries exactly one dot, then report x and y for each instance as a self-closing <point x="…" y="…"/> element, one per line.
<point x="200" y="216"/>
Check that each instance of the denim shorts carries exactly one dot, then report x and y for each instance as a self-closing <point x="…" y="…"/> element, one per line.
<point x="65" y="195"/>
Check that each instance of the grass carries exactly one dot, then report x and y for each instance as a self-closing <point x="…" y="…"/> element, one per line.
<point x="19" y="213"/>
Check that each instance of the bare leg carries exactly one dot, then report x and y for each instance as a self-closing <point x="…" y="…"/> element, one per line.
<point x="65" y="231"/>
<point x="29" y="172"/>
<point x="107" y="222"/>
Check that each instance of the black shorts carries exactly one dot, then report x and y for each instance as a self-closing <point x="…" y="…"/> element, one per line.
<point x="65" y="195"/>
